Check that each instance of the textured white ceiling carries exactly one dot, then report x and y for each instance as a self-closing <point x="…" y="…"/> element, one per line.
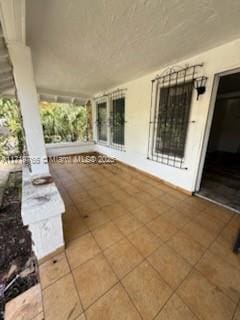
<point x="85" y="46"/>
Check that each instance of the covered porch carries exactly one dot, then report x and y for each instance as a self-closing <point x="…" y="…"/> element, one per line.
<point x="136" y="248"/>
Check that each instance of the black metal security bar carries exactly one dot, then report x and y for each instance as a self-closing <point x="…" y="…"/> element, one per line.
<point x="169" y="117"/>
<point x="117" y="120"/>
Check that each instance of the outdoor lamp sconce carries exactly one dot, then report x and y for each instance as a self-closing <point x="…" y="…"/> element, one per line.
<point x="200" y="85"/>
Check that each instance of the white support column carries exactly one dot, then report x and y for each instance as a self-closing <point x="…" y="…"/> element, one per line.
<point x="42" y="206"/>
<point x="13" y="20"/>
<point x="28" y="98"/>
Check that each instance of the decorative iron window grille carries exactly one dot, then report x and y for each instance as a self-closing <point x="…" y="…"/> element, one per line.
<point x="102" y="121"/>
<point x="110" y="111"/>
<point x="169" y="117"/>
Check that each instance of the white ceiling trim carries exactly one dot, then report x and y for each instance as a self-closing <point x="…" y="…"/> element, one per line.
<point x="61" y="97"/>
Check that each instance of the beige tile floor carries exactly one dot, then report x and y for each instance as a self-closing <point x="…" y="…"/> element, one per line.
<point x="138" y="249"/>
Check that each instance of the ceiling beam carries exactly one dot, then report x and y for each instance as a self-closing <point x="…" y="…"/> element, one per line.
<point x="6" y="86"/>
<point x="13" y="20"/>
<point x="5" y="68"/>
<point x="4" y="80"/>
<point x="62" y="96"/>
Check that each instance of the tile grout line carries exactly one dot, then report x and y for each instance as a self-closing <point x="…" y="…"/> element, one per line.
<point x="126" y="236"/>
<point x="75" y="286"/>
<point x="118" y="282"/>
<point x="164" y="242"/>
<point x="235" y="311"/>
<point x="191" y="271"/>
<point x="174" y="292"/>
<point x="113" y="221"/>
<point x="135" y="267"/>
<point x="65" y="275"/>
<point x="41" y="288"/>
<point x="194" y="269"/>
<point x="86" y="262"/>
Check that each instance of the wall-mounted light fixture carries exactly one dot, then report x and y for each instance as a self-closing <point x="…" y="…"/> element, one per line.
<point x="200" y="85"/>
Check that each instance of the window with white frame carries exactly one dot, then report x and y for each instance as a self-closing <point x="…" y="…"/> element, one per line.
<point x="102" y="121"/>
<point x="110" y="112"/>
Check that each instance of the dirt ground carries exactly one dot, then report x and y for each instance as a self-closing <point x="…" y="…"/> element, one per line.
<point x="18" y="265"/>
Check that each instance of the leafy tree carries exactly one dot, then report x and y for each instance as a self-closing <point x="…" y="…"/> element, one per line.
<point x="11" y="144"/>
<point x="63" y="122"/>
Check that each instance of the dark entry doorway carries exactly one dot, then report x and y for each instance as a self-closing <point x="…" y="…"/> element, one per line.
<point x="221" y="173"/>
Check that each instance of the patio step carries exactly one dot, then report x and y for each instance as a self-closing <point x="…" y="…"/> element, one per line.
<point x="27" y="305"/>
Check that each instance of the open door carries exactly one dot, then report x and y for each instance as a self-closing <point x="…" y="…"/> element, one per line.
<point x="221" y="173"/>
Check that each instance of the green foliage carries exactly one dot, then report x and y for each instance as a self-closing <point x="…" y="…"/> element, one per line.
<point x="11" y="144"/>
<point x="63" y="122"/>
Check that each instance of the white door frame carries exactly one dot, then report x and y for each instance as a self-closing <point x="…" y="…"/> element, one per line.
<point x="208" y="127"/>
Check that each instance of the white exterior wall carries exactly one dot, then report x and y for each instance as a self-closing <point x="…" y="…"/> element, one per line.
<point x="137" y="115"/>
<point x="71" y="148"/>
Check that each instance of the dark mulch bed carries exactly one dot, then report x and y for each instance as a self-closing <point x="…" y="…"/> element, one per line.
<point x="18" y="264"/>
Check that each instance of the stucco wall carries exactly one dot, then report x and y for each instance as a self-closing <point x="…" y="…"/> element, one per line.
<point x="60" y="149"/>
<point x="138" y="97"/>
